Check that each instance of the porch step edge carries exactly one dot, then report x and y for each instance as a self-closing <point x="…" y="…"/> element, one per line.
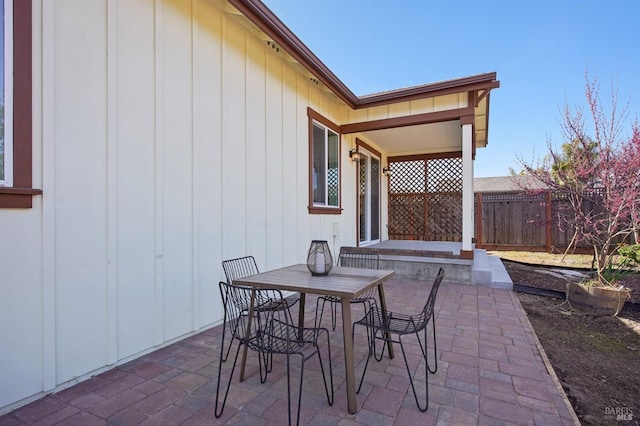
<point x="499" y="276"/>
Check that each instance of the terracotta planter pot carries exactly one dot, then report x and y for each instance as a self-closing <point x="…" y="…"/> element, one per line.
<point x="597" y="300"/>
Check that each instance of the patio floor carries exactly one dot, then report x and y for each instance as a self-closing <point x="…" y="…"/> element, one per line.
<point x="491" y="371"/>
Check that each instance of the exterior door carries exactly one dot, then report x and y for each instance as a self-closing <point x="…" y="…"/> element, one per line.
<point x="369" y="176"/>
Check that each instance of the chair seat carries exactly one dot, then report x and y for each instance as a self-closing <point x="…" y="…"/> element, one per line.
<point x="392" y="322"/>
<point x="335" y="299"/>
<point x="281" y="338"/>
<point x="278" y="305"/>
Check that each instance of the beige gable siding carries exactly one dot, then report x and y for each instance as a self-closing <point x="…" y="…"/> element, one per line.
<point x="408" y="108"/>
<point x="170" y="138"/>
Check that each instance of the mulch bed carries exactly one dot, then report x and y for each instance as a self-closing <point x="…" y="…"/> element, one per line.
<point x="556" y="278"/>
<point x="596" y="359"/>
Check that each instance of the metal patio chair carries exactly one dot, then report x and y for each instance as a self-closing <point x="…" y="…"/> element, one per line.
<point x="392" y="323"/>
<point x="243" y="267"/>
<point x="269" y="331"/>
<point x="351" y="260"/>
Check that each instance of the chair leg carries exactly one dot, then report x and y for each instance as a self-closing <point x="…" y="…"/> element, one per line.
<point x="334" y="315"/>
<point x="233" y="335"/>
<point x="332" y="307"/>
<point x="384" y="339"/>
<point x="371" y="333"/>
<point x="218" y="413"/>
<point x="330" y="394"/>
<point x="263" y="359"/>
<point x="289" y="388"/>
<point x="299" y="394"/>
<point x="324" y="377"/>
<point x="435" y="347"/>
<point x="426" y="379"/>
<point x="384" y="346"/>
<point x="318" y="321"/>
<point x="369" y="354"/>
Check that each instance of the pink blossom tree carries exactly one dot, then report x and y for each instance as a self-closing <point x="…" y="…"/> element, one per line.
<point x="597" y="173"/>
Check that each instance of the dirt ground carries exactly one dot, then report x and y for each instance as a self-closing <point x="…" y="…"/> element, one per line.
<point x="597" y="359"/>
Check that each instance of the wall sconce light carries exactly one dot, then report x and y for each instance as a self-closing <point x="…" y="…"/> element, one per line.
<point x="354" y="155"/>
<point x="386" y="171"/>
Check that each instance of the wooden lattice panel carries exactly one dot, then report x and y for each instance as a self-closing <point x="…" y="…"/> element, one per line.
<point x="406" y="216"/>
<point x="425" y="199"/>
<point x="444" y="217"/>
<point x="407" y="177"/>
<point x="333" y="186"/>
<point x="444" y="175"/>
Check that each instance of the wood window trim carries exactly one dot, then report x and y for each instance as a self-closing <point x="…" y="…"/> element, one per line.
<point x="361" y="144"/>
<point x="315" y="116"/>
<point x="20" y="195"/>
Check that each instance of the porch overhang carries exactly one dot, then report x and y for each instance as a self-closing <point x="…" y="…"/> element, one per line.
<point x="438" y="131"/>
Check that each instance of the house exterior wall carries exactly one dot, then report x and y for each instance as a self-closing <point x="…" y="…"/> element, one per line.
<point x="166" y="137"/>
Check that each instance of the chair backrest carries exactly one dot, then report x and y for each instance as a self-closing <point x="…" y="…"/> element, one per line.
<point x="236" y="301"/>
<point x="427" y="311"/>
<point x="239" y="268"/>
<point x="358" y="260"/>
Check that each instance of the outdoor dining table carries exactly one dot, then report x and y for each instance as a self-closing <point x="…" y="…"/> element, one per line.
<point x="345" y="283"/>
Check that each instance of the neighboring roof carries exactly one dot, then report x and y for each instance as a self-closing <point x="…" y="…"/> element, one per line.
<point x="506" y="184"/>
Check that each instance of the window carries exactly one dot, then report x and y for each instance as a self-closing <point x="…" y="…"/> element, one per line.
<point x="15" y="178"/>
<point x="6" y="93"/>
<point x="324" y="167"/>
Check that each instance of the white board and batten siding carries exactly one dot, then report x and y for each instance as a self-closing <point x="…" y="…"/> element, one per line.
<point x="167" y="137"/>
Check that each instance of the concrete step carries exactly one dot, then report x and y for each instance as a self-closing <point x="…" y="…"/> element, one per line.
<point x="426" y="268"/>
<point x="481" y="270"/>
<point x="420" y="260"/>
<point x="499" y="276"/>
<point x="489" y="271"/>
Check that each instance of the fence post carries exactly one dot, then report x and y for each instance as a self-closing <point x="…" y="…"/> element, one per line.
<point x="479" y="220"/>
<point x="547" y="221"/>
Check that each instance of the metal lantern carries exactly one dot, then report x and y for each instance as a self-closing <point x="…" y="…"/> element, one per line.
<point x="319" y="259"/>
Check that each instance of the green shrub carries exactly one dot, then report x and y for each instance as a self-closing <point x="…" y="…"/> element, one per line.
<point x="630" y="254"/>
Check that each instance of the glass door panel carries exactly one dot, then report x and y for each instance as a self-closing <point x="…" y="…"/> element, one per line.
<point x="369" y="198"/>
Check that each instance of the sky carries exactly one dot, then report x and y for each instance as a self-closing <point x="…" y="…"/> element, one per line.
<point x="541" y="51"/>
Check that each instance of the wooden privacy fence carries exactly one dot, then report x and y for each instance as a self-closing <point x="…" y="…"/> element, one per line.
<point x="521" y="221"/>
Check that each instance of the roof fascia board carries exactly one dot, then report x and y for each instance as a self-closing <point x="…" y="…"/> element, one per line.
<point x="409" y="120"/>
<point x="432" y="156"/>
<point x="484" y="82"/>
<point x="261" y="16"/>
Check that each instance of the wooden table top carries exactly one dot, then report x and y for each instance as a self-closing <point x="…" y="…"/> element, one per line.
<point x="341" y="282"/>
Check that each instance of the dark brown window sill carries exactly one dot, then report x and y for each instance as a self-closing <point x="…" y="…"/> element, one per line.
<point x="17" y="198"/>
<point x="325" y="210"/>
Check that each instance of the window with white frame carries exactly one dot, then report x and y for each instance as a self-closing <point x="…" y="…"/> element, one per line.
<point x="324" y="146"/>
<point x="6" y="93"/>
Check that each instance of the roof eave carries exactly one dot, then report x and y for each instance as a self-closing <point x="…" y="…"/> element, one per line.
<point x="261" y="16"/>
<point x="473" y="83"/>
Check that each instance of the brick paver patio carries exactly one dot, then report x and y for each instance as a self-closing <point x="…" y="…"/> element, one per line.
<point x="490" y="372"/>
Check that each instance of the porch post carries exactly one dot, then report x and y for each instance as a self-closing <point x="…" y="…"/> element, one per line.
<point x="467" y="188"/>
